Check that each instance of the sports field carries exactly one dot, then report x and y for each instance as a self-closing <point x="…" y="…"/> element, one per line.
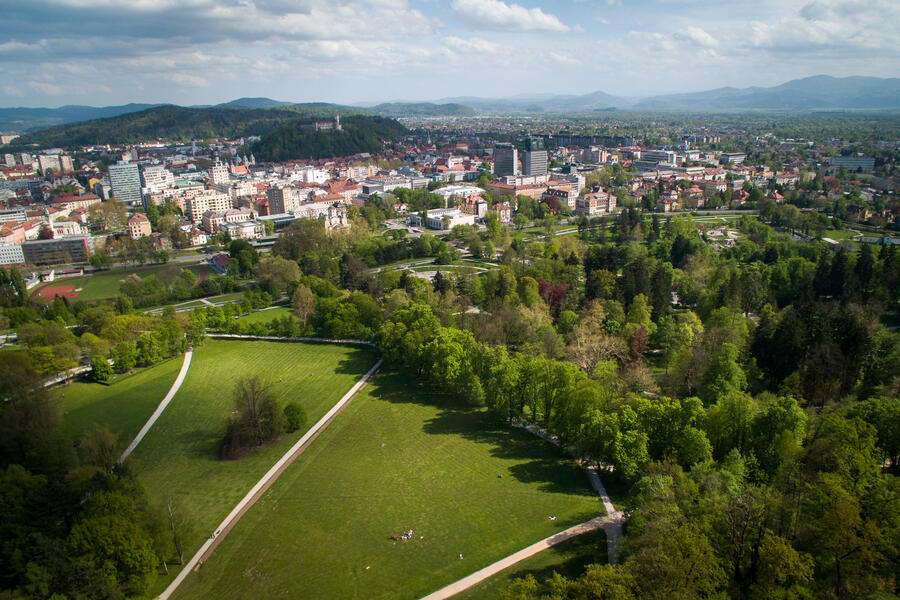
<point x="123" y="405"/>
<point x="400" y="457"/>
<point x="104" y="284"/>
<point x="179" y="457"/>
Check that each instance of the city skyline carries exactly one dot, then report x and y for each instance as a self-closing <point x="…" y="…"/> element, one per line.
<point x="100" y="52"/>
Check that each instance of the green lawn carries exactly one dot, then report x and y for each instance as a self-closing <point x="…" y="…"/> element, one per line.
<point x="105" y="284"/>
<point x="569" y="559"/>
<point x="265" y="316"/>
<point x="399" y="457"/>
<point x="841" y="234"/>
<point x="179" y="456"/>
<point x="123" y="406"/>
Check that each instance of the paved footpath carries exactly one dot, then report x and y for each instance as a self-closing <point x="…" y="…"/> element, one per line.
<point x="611" y="524"/>
<point x="162" y="406"/>
<point x="504" y="563"/>
<point x="263" y="484"/>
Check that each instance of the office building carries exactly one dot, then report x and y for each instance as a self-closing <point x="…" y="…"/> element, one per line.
<point x="852" y="163"/>
<point x="534" y="162"/>
<point x="659" y="157"/>
<point x="67" y="249"/>
<point x="125" y="182"/>
<point x="506" y="160"/>
<point x="11" y="255"/>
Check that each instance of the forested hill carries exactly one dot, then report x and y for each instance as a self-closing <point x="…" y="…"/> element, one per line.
<point x="360" y="134"/>
<point x="173" y="123"/>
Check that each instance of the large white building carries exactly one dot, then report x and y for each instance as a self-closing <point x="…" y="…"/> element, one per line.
<point x="196" y="205"/>
<point x="218" y="174"/>
<point x="443" y="218"/>
<point x="309" y="174"/>
<point x="49" y="162"/>
<point x="11" y="255"/>
<point x="156" y="178"/>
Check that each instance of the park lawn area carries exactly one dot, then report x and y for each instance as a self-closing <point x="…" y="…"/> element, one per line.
<point x="105" y="284"/>
<point x="179" y="458"/>
<point x="569" y="559"/>
<point x="400" y="456"/>
<point x="123" y="406"/>
<point x="841" y="234"/>
<point x="265" y="316"/>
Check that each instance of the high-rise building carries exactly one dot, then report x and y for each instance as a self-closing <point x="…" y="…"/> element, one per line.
<point x="156" y="178"/>
<point x="125" y="182"/>
<point x="48" y="163"/>
<point x="534" y="162"/>
<point x="506" y="160"/>
<point x="218" y="174"/>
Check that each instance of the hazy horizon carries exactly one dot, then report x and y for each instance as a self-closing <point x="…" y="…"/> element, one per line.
<point x="102" y="52"/>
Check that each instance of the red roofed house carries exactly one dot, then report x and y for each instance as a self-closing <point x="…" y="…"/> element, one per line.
<point x="138" y="226"/>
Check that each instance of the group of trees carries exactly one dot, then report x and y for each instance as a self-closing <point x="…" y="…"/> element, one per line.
<point x="359" y="134"/>
<point x="259" y="419"/>
<point x="75" y="523"/>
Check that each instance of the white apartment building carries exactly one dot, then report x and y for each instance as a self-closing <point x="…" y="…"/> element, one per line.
<point x="218" y="174"/>
<point x="155" y="179"/>
<point x="309" y="174"/>
<point x="196" y="205"/>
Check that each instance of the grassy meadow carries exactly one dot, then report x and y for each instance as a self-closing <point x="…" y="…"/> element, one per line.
<point x="399" y="457"/>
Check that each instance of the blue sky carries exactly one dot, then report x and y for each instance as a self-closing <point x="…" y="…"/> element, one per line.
<point x="104" y="52"/>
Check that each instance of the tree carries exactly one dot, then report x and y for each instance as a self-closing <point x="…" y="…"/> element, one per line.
<point x="100" y="448"/>
<point x="124" y="356"/>
<point x="723" y="375"/>
<point x="109" y="534"/>
<point x="259" y="419"/>
<point x="275" y="273"/>
<point x="303" y="303"/>
<point x="295" y="416"/>
<point x="100" y="369"/>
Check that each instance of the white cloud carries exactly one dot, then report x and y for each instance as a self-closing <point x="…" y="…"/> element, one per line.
<point x="697" y="36"/>
<point x="565" y="59"/>
<point x="188" y="79"/>
<point x="470" y="45"/>
<point x="494" y="14"/>
<point x="45" y="88"/>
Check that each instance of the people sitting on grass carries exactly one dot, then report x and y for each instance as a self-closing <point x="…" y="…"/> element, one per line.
<point x="403" y="536"/>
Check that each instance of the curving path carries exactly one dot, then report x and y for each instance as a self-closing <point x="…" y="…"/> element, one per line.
<point x="611" y="524"/>
<point x="162" y="405"/>
<point x="263" y="484"/>
<point x="491" y="570"/>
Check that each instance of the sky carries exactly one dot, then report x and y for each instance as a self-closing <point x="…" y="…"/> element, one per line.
<point x="110" y="52"/>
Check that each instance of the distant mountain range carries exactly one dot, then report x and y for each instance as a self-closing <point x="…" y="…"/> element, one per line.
<point x="820" y="92"/>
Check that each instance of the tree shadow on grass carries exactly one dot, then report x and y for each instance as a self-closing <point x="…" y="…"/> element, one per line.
<point x="357" y="362"/>
<point x="538" y="461"/>
<point x="570" y="560"/>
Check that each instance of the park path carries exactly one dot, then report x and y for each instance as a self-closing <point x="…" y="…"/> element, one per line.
<point x="615" y="518"/>
<point x="263" y="484"/>
<point x="504" y="563"/>
<point x="611" y="523"/>
<point x="162" y="405"/>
